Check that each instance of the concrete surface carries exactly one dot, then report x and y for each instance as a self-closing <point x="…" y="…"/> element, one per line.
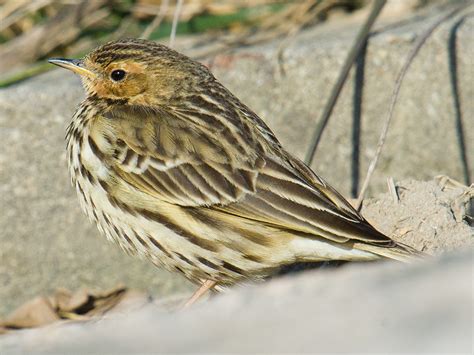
<point x="390" y="308"/>
<point x="46" y="242"/>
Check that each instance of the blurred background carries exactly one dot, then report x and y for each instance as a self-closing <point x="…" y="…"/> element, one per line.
<point x="341" y="82"/>
<point x="32" y="30"/>
<point x="44" y="28"/>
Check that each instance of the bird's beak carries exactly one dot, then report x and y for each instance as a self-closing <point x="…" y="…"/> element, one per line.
<point x="75" y="65"/>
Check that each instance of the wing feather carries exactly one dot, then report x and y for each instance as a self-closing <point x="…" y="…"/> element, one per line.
<point x="268" y="186"/>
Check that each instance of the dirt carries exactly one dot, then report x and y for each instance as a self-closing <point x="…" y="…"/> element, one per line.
<point x="428" y="216"/>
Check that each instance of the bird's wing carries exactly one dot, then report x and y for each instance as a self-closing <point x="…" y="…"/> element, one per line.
<point x="186" y="164"/>
<point x="291" y="196"/>
<point x="221" y="171"/>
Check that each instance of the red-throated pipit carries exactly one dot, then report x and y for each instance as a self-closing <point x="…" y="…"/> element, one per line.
<point x="174" y="168"/>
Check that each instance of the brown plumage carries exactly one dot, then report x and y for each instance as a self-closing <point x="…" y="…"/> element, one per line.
<point x="173" y="167"/>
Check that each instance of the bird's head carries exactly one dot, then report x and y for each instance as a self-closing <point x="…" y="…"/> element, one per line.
<point x="136" y="72"/>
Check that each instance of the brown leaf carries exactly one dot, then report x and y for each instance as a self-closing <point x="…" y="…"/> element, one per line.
<point x="62" y="29"/>
<point x="64" y="304"/>
<point x="34" y="313"/>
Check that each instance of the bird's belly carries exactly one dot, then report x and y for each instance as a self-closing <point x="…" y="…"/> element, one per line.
<point x="166" y="235"/>
<point x="119" y="226"/>
<point x="133" y="233"/>
<point x="138" y="235"/>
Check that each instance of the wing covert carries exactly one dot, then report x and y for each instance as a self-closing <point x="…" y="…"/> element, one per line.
<point x="183" y="164"/>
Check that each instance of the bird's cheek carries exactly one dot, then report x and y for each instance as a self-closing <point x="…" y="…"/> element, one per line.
<point x="101" y="89"/>
<point x="106" y="90"/>
<point x="135" y="90"/>
<point x="132" y="89"/>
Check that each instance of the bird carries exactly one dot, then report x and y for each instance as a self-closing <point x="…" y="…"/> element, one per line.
<point x="175" y="169"/>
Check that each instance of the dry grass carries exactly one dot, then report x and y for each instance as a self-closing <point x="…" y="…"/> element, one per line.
<point x="31" y="31"/>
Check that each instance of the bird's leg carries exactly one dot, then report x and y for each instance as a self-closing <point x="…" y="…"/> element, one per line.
<point x="207" y="285"/>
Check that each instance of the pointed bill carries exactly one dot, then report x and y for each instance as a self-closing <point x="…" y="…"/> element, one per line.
<point x="75" y="65"/>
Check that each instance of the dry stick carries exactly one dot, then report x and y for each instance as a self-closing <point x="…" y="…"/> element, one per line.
<point x="419" y="43"/>
<point x="452" y="58"/>
<point x="357" y="106"/>
<point x="157" y="20"/>
<point x="265" y="34"/>
<point x="392" y="189"/>
<point x="177" y="12"/>
<point x="61" y="29"/>
<point x="353" y="53"/>
<point x="21" y="12"/>
<point x="11" y="7"/>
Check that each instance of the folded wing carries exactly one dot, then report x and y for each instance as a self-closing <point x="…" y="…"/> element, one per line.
<point x="227" y="170"/>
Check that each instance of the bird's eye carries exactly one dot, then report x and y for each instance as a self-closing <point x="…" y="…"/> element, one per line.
<point x="117" y="75"/>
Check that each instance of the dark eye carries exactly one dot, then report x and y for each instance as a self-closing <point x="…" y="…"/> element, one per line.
<point x="117" y="75"/>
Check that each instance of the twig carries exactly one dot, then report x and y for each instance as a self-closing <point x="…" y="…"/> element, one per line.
<point x="453" y="75"/>
<point x="357" y="98"/>
<point x="392" y="189"/>
<point x="419" y="43"/>
<point x="353" y="53"/>
<point x="60" y="30"/>
<point x="157" y="20"/>
<point x="19" y="13"/>
<point x="177" y="12"/>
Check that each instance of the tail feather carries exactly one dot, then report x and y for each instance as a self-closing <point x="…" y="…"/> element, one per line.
<point x="399" y="251"/>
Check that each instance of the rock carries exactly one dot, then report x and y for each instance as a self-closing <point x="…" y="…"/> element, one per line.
<point x="365" y="308"/>
<point x="424" y="217"/>
<point x="46" y="241"/>
<point x="422" y="141"/>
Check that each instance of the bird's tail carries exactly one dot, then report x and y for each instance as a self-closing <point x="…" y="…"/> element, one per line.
<point x="399" y="251"/>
